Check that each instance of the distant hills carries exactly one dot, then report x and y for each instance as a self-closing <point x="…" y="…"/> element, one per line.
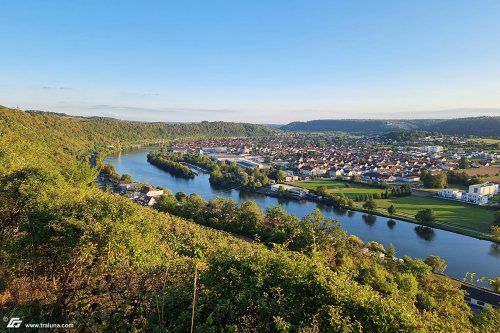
<point x="480" y="126"/>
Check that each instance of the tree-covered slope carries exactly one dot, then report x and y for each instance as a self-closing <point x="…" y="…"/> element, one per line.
<point x="356" y="125"/>
<point x="480" y="126"/>
<point x="70" y="131"/>
<point x="70" y="253"/>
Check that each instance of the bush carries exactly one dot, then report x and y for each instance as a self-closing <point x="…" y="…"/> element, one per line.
<point x="370" y="205"/>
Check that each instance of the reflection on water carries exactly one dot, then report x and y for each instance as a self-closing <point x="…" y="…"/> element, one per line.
<point x="425" y="233"/>
<point x="391" y="224"/>
<point x="369" y="219"/>
<point x="495" y="250"/>
<point x="462" y="254"/>
<point x="340" y="211"/>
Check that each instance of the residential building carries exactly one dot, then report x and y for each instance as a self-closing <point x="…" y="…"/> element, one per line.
<point x="294" y="191"/>
<point x="409" y="179"/>
<point x="475" y="198"/>
<point x="432" y="149"/>
<point x="450" y="194"/>
<point x="488" y="189"/>
<point x="151" y="191"/>
<point x="479" y="298"/>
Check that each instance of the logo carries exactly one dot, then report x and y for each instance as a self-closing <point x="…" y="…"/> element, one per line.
<point x="14" y="322"/>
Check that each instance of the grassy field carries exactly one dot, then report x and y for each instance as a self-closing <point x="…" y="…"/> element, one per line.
<point x="489" y="141"/>
<point x="337" y="186"/>
<point x="451" y="212"/>
<point x="447" y="211"/>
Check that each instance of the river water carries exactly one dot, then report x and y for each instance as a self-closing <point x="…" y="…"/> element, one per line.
<point x="462" y="253"/>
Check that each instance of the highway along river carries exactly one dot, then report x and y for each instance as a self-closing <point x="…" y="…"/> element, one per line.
<point x="462" y="253"/>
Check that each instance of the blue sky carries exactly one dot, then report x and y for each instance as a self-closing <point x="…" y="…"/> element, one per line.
<point x="259" y="61"/>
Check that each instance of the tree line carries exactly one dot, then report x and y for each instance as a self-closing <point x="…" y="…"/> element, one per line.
<point x="169" y="163"/>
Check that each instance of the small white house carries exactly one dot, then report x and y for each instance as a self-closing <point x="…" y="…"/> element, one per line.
<point x="291" y="178"/>
<point x="334" y="172"/>
<point x="292" y="190"/>
<point x="409" y="179"/>
<point x="308" y="171"/>
<point x="151" y="191"/>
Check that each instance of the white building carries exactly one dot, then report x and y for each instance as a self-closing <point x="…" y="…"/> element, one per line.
<point x="475" y="198"/>
<point x="292" y="178"/>
<point x="292" y="190"/>
<point x="450" y="193"/>
<point x="432" y="149"/>
<point x="478" y="194"/>
<point x="409" y="179"/>
<point x="487" y="189"/>
<point x="129" y="186"/>
<point x="308" y="171"/>
<point x="335" y="172"/>
<point x="151" y="191"/>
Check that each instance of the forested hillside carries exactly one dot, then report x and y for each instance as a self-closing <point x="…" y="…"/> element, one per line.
<point x="70" y="253"/>
<point x="80" y="132"/>
<point x="370" y="126"/>
<point x="480" y="126"/>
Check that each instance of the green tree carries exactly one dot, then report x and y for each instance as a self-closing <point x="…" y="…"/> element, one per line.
<point x="426" y="215"/>
<point x="464" y="163"/>
<point x="322" y="191"/>
<point x="370" y="205"/>
<point x="439" y="180"/>
<point x="495" y="284"/>
<point x="251" y="217"/>
<point x="280" y="176"/>
<point x="126" y="178"/>
<point x="487" y="320"/>
<point x="495" y="231"/>
<point x="437" y="264"/>
<point x="391" y="252"/>
<point x="408" y="284"/>
<point x="376" y="247"/>
<point x="391" y="210"/>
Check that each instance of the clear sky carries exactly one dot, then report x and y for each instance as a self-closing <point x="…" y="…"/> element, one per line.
<point x="261" y="61"/>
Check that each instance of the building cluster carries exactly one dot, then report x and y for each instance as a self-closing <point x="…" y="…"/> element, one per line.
<point x="307" y="156"/>
<point x="145" y="195"/>
<point x="292" y="191"/>
<point x="478" y="194"/>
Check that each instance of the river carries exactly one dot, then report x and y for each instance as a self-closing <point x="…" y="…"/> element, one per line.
<point x="462" y="253"/>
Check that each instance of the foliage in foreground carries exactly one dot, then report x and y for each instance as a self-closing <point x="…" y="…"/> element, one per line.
<point x="70" y="253"/>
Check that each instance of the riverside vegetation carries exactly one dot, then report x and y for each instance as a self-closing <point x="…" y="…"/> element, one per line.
<point x="72" y="253"/>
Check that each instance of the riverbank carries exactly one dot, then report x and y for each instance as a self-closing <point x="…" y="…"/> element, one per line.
<point x="381" y="211"/>
<point x="402" y="217"/>
<point x="462" y="253"/>
<point x="408" y="206"/>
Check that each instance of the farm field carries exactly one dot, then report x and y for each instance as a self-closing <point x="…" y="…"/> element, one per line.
<point x="492" y="171"/>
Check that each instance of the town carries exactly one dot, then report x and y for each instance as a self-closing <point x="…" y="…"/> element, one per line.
<point x="442" y="181"/>
<point x="371" y="161"/>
